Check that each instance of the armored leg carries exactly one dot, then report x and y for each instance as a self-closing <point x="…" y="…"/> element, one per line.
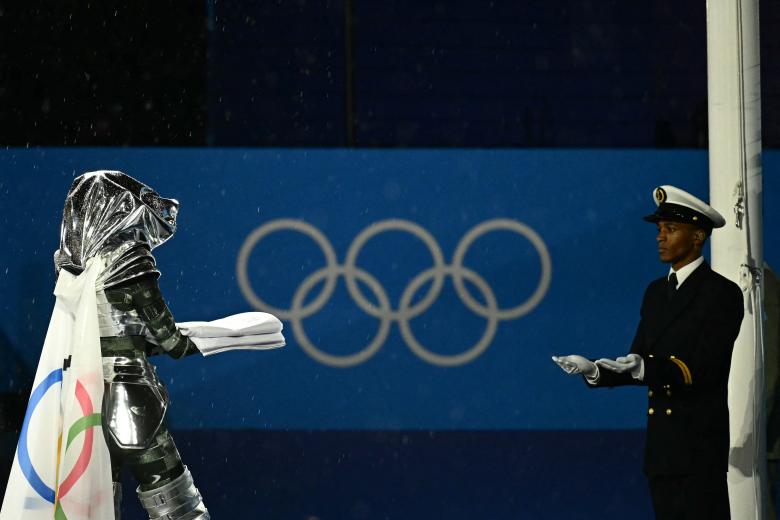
<point x="157" y="464"/>
<point x="165" y="486"/>
<point x="176" y="500"/>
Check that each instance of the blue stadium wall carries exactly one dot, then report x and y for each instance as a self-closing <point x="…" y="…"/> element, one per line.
<point x="409" y="392"/>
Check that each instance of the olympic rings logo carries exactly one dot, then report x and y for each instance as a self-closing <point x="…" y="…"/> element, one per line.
<point x="405" y="311"/>
<point x="85" y="424"/>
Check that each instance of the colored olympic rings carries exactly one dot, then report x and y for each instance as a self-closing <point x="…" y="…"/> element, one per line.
<point x="84" y="424"/>
<point x="25" y="463"/>
<point x="382" y="309"/>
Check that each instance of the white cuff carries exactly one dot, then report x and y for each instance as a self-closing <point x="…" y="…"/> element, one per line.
<point x="638" y="372"/>
<point x="594" y="379"/>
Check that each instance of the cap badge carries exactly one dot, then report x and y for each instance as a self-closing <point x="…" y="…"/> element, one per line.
<point x="660" y="195"/>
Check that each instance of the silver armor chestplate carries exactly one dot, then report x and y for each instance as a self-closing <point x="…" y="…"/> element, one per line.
<point x="118" y="318"/>
<point x="134" y="402"/>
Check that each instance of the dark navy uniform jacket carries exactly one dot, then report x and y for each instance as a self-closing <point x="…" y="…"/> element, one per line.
<point x="686" y="345"/>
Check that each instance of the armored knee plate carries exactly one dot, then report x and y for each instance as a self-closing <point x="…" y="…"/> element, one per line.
<point x="176" y="500"/>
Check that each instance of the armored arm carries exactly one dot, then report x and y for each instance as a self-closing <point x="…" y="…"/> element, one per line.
<point x="148" y="302"/>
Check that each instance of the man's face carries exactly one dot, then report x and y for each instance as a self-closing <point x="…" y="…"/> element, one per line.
<point x="678" y="243"/>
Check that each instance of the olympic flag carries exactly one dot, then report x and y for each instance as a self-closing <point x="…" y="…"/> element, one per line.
<point x="62" y="468"/>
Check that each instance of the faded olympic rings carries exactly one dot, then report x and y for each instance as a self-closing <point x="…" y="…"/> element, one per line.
<point x="85" y="424"/>
<point x="383" y="310"/>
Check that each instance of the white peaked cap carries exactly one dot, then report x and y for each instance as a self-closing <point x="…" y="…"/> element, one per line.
<point x="680" y="206"/>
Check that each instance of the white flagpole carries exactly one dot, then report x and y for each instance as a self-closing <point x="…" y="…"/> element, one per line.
<point x="734" y="100"/>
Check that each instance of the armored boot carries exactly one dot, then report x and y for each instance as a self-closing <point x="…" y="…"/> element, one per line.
<point x="176" y="500"/>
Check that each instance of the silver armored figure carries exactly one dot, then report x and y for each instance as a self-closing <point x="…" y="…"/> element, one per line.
<point x="110" y="215"/>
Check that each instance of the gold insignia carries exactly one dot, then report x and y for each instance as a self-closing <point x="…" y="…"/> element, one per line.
<point x="686" y="372"/>
<point x="660" y="195"/>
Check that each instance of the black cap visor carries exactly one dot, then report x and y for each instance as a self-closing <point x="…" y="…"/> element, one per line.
<point x="677" y="213"/>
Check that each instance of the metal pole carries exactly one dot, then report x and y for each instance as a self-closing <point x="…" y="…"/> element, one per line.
<point x="734" y="100"/>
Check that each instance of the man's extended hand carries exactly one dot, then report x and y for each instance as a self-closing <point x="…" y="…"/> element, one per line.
<point x="575" y="364"/>
<point x="630" y="363"/>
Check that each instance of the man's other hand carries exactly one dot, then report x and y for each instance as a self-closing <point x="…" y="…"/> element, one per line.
<point x="630" y="363"/>
<point x="574" y="364"/>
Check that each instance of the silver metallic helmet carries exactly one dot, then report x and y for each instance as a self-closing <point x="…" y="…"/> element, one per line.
<point x="111" y="215"/>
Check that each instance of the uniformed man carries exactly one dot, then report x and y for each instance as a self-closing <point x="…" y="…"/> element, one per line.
<point x="682" y="353"/>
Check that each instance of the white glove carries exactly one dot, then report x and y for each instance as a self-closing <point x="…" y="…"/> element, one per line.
<point x="631" y="363"/>
<point x="575" y="364"/>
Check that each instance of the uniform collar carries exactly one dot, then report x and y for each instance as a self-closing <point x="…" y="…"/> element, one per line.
<point x="685" y="271"/>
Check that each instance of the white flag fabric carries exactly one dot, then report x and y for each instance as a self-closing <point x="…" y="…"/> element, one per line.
<point x="210" y="346"/>
<point x="242" y="324"/>
<point x="62" y="468"/>
<point x="244" y="331"/>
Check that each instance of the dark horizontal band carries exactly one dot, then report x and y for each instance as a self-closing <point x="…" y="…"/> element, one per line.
<point x="677" y="213"/>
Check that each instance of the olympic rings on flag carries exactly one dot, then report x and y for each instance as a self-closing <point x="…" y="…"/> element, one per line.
<point x="25" y="463"/>
<point x="382" y="309"/>
<point x="84" y="424"/>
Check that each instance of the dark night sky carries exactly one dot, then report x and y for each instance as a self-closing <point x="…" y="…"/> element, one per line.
<point x="441" y="74"/>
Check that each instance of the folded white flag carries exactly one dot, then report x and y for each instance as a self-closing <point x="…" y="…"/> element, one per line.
<point x="208" y="346"/>
<point x="245" y="331"/>
<point x="243" y="324"/>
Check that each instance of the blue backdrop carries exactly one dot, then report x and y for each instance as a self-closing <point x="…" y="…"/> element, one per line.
<point x="380" y="406"/>
<point x="585" y="207"/>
